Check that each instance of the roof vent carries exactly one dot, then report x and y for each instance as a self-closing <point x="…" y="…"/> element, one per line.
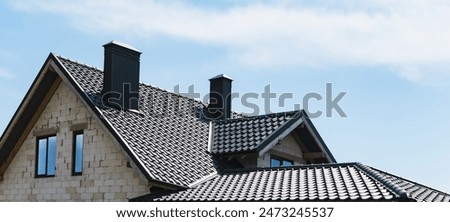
<point x="220" y="97"/>
<point x="121" y="76"/>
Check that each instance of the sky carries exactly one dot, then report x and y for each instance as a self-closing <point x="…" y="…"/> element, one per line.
<point x="390" y="58"/>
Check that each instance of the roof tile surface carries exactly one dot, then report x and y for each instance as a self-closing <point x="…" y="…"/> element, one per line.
<point x="327" y="182"/>
<point x="167" y="136"/>
<point x="245" y="134"/>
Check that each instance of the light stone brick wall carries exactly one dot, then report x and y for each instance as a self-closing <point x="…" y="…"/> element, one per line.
<point x="288" y="148"/>
<point x="107" y="173"/>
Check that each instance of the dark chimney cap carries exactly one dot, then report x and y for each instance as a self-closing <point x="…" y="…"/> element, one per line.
<point x="221" y="76"/>
<point x="123" y="45"/>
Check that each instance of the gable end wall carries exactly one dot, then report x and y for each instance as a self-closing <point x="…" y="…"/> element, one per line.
<point x="287" y="149"/>
<point x="107" y="173"/>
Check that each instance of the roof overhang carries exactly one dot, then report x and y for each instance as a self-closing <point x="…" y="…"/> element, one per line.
<point x="323" y="151"/>
<point x="34" y="102"/>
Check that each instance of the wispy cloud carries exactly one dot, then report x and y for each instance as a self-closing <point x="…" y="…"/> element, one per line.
<point x="4" y="74"/>
<point x="406" y="35"/>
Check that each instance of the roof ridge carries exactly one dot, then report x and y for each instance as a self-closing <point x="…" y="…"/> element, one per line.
<point x="199" y="101"/>
<point x="396" y="189"/>
<point x="307" y="166"/>
<point x="141" y="82"/>
<point x="174" y="93"/>
<point x="77" y="62"/>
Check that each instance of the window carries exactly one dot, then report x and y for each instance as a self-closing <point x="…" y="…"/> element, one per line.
<point x="280" y="162"/>
<point x="78" y="141"/>
<point x="46" y="156"/>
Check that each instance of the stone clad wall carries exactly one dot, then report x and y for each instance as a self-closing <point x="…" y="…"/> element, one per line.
<point x="107" y="175"/>
<point x="288" y="149"/>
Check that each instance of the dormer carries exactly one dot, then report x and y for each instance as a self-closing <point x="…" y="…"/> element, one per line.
<point x="272" y="140"/>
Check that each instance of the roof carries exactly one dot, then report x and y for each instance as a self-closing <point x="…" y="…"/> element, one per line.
<point x="166" y="136"/>
<point x="324" y="182"/>
<point x="258" y="134"/>
<point x="247" y="134"/>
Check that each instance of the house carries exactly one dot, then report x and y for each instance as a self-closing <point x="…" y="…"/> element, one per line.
<point x="82" y="134"/>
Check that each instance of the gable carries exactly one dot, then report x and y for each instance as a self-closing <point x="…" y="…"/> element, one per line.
<point x="108" y="174"/>
<point x="287" y="148"/>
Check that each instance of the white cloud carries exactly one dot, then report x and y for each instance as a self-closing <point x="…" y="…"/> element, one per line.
<point x="349" y="32"/>
<point x="411" y="73"/>
<point x="4" y="74"/>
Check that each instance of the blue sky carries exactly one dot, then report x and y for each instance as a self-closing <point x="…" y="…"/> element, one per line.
<point x="391" y="57"/>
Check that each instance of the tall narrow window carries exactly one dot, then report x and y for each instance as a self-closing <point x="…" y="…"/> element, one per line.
<point x="280" y="162"/>
<point x="46" y="156"/>
<point x="78" y="143"/>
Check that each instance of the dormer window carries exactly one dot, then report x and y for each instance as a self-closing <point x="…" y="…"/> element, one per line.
<point x="276" y="161"/>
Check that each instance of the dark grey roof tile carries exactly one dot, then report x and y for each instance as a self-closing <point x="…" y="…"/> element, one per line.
<point x="327" y="182"/>
<point x="245" y="134"/>
<point x="170" y="142"/>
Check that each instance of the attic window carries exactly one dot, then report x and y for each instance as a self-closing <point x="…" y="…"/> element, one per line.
<point x="78" y="143"/>
<point x="46" y="156"/>
<point x="276" y="161"/>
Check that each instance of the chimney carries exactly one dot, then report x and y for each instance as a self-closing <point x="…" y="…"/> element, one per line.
<point x="220" y="97"/>
<point x="121" y="76"/>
